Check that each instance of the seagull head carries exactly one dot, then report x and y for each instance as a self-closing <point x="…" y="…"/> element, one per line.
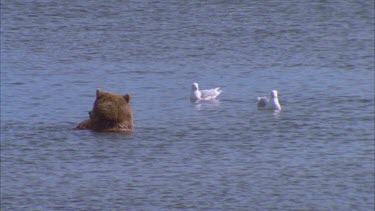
<point x="274" y="94"/>
<point x="194" y="86"/>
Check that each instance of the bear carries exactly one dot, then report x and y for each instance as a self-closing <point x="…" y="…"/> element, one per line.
<point x="110" y="113"/>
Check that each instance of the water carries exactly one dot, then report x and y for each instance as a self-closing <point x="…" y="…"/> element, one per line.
<point x="317" y="154"/>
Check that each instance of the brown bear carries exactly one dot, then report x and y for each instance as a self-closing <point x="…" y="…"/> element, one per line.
<point x="111" y="112"/>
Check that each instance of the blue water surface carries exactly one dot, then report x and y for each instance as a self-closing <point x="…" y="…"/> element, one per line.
<point x="316" y="154"/>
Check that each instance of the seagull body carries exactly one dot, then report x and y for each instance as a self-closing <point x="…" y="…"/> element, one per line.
<point x="208" y="94"/>
<point x="269" y="104"/>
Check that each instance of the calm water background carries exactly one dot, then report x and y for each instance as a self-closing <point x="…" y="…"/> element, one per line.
<point x="317" y="154"/>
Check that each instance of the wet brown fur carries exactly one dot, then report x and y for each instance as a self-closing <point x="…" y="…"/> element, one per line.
<point x="111" y="112"/>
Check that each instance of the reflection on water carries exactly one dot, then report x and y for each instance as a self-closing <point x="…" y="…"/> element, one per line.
<point x="202" y="104"/>
<point x="276" y="114"/>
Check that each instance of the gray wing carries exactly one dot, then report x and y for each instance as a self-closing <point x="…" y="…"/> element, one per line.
<point x="210" y="93"/>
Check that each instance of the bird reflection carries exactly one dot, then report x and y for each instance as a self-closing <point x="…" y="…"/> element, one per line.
<point x="202" y="104"/>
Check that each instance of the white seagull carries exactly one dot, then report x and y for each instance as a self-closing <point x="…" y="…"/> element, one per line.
<point x="269" y="104"/>
<point x="208" y="94"/>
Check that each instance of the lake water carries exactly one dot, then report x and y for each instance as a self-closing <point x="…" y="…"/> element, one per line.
<point x="316" y="154"/>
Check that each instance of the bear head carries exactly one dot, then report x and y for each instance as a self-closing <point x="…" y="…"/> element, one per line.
<point x="110" y="112"/>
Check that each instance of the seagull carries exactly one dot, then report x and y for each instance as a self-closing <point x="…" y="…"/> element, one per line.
<point x="269" y="104"/>
<point x="209" y="94"/>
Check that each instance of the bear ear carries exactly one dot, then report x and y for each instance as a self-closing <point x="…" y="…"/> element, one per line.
<point x="98" y="92"/>
<point x="127" y="98"/>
